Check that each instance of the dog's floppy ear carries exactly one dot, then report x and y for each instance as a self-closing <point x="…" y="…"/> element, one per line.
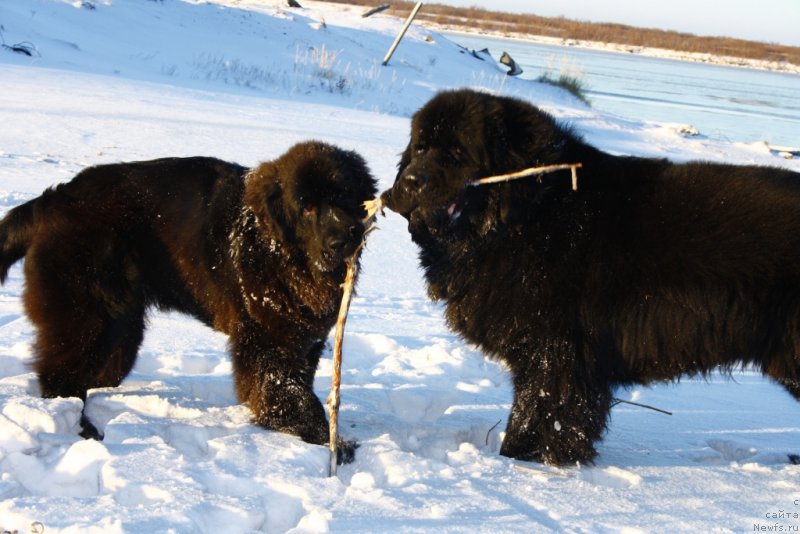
<point x="263" y="194"/>
<point x="520" y="135"/>
<point x="494" y="209"/>
<point x="504" y="199"/>
<point x="506" y="134"/>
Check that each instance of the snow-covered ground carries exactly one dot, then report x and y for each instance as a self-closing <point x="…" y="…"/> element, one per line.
<point x="244" y="80"/>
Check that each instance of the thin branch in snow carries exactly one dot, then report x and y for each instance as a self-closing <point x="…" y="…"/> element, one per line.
<point x="489" y="433"/>
<point x="334" y="396"/>
<point x="620" y="401"/>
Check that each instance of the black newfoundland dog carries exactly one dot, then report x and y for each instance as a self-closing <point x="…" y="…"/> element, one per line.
<point x="650" y="270"/>
<point x="257" y="254"/>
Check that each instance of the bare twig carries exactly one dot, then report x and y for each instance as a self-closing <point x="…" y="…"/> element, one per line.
<point x="336" y="377"/>
<point x="373" y="207"/>
<point x="489" y="433"/>
<point x="374" y="10"/>
<point x="334" y="396"/>
<point x="376" y="205"/>
<point x="533" y="171"/>
<point x="620" y="401"/>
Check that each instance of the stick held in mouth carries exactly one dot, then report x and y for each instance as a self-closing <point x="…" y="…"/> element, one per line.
<point x="532" y="171"/>
<point x="334" y="397"/>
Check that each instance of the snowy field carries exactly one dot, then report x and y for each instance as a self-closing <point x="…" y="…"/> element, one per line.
<point x="118" y="80"/>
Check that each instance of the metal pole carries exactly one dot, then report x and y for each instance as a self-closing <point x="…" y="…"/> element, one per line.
<point x="402" y="32"/>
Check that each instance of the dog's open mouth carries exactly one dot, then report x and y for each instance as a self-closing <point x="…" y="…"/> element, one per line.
<point x="439" y="218"/>
<point x="456" y="206"/>
<point x="454" y="211"/>
<point x="331" y="259"/>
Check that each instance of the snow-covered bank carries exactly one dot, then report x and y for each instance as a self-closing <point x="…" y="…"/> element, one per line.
<point x="132" y="80"/>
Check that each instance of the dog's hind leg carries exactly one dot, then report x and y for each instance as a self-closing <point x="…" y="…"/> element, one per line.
<point x="792" y="385"/>
<point x="123" y="335"/>
<point x="126" y="335"/>
<point x="783" y="365"/>
<point x="89" y="316"/>
<point x="779" y="371"/>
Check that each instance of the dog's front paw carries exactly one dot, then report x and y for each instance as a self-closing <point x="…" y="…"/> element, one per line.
<point x="88" y="430"/>
<point x="346" y="451"/>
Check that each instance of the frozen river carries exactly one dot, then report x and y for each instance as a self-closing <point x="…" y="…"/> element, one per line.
<point x="734" y="104"/>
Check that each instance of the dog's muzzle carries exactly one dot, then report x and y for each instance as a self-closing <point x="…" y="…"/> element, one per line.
<point x="402" y="197"/>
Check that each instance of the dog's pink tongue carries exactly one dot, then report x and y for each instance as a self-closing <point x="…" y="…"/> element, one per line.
<point x="452" y="209"/>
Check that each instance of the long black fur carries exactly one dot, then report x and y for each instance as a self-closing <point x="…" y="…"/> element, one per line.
<point x="257" y="254"/>
<point x="649" y="271"/>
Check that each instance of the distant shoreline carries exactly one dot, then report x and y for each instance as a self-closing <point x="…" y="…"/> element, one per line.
<point x="611" y="37"/>
<point x="711" y="59"/>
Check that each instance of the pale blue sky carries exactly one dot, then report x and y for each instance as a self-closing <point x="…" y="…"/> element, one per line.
<point x="775" y="21"/>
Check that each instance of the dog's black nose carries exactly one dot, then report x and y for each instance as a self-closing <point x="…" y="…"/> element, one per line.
<point x="413" y="182"/>
<point x="338" y="242"/>
<point x="386" y="198"/>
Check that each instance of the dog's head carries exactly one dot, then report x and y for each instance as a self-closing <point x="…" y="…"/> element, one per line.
<point x="312" y="198"/>
<point x="461" y="136"/>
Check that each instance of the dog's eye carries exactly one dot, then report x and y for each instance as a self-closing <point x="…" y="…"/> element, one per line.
<point x="419" y="149"/>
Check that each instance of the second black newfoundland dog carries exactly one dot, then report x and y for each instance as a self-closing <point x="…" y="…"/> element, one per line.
<point x="650" y="270"/>
<point x="257" y="254"/>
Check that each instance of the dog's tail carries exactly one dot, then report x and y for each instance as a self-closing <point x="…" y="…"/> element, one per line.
<point x="16" y="233"/>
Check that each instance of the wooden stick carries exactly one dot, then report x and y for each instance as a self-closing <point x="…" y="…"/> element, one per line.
<point x="334" y="396"/>
<point x="373" y="207"/>
<point x="532" y="171"/>
<point x="574" y="169"/>
<point x="402" y="33"/>
<point x="489" y="433"/>
<point x="620" y="401"/>
<point x="336" y="378"/>
<point x="376" y="205"/>
<point x="374" y="10"/>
